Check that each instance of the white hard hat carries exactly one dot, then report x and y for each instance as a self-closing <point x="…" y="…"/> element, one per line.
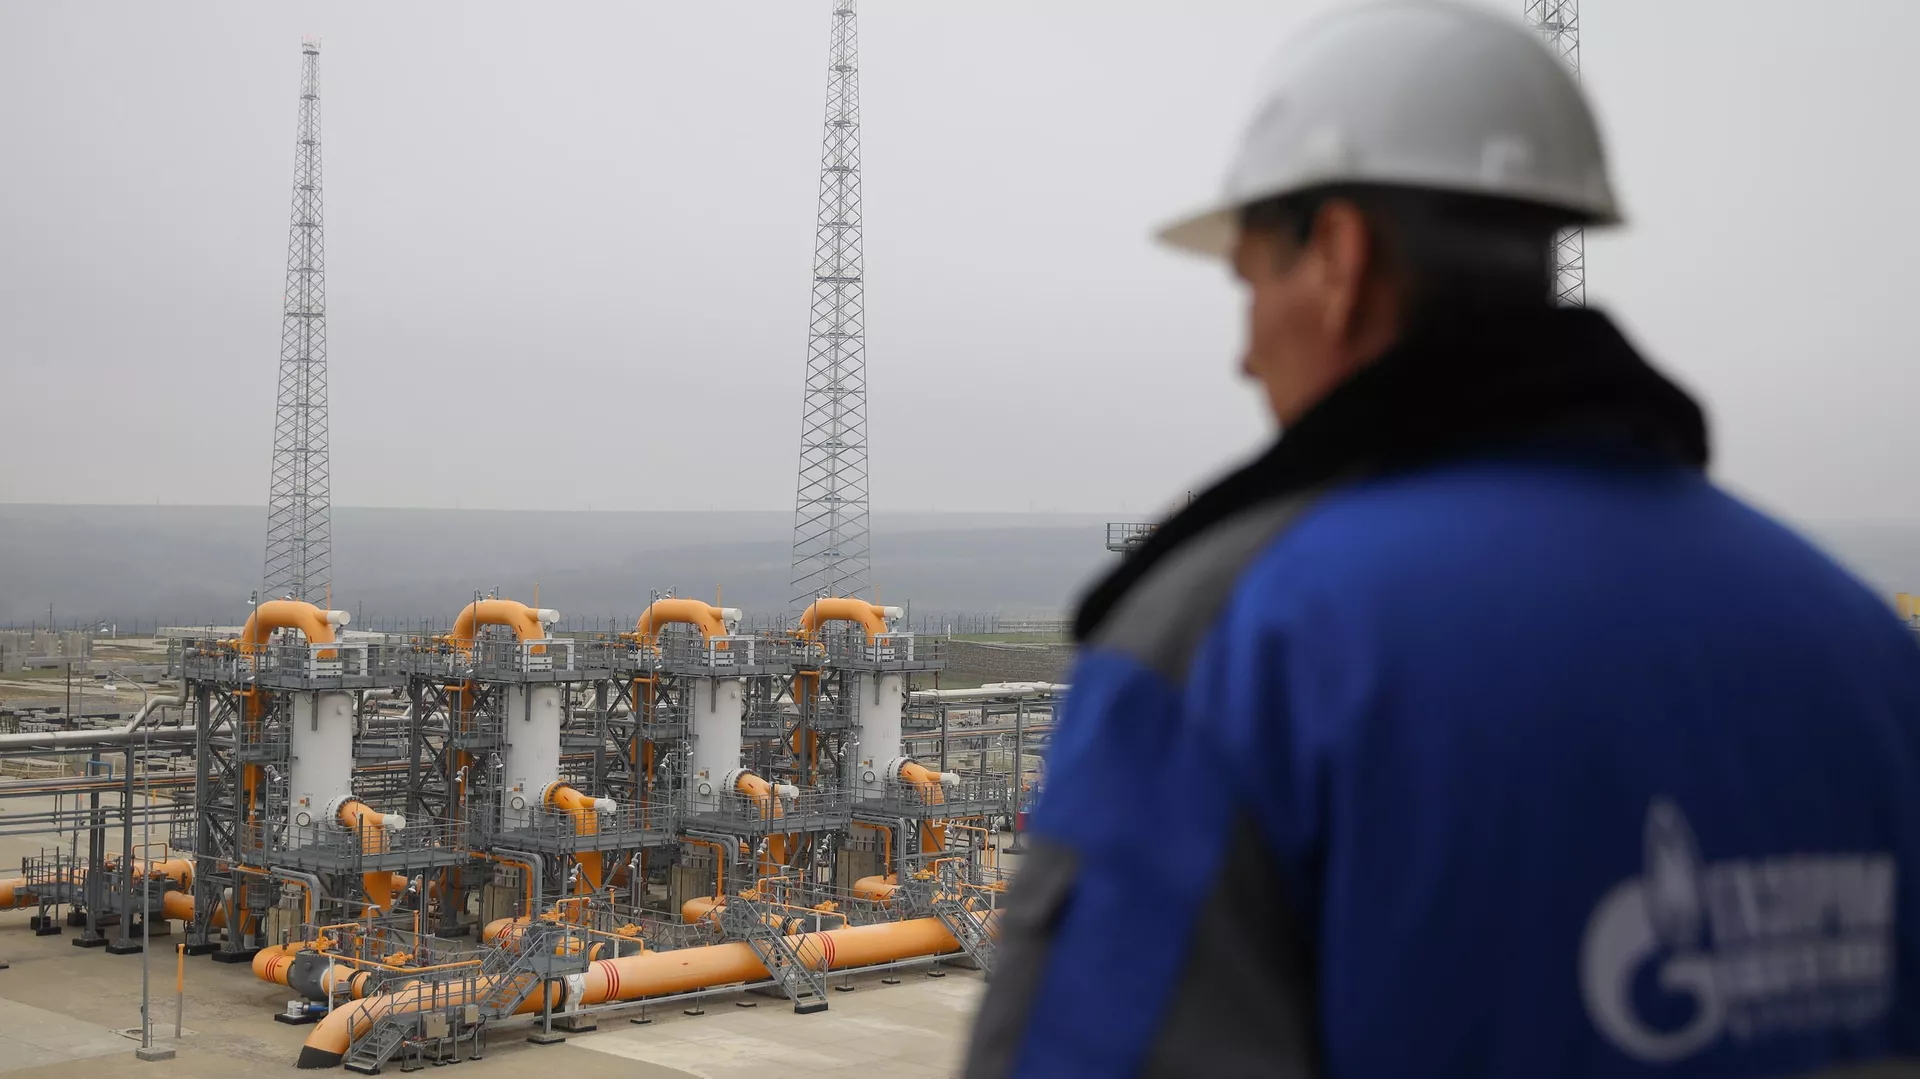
<point x="1424" y="94"/>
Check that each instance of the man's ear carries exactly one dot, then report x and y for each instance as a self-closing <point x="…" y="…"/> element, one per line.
<point x="1341" y="244"/>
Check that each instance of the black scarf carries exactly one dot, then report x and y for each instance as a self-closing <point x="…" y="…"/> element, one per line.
<point x="1445" y="392"/>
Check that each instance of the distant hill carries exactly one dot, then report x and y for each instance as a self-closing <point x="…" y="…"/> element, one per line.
<point x="196" y="564"/>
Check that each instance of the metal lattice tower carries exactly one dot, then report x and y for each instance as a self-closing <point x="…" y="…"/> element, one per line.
<point x="830" y="541"/>
<point x="1559" y="24"/>
<point x="299" y="534"/>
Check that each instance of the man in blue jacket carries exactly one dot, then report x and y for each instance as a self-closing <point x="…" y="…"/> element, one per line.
<point x="1470" y="730"/>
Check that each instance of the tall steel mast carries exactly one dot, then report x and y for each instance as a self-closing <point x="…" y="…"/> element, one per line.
<point x="831" y="554"/>
<point x="1558" y="22"/>
<point x="299" y="533"/>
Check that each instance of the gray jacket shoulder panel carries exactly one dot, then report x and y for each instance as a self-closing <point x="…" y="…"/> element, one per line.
<point x="1162" y="620"/>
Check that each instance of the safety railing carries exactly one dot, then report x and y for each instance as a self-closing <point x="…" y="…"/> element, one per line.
<point x="767" y="719"/>
<point x="385" y="943"/>
<point x="298" y="660"/>
<point x="765" y="816"/>
<point x="426" y="658"/>
<point x="494" y="658"/>
<point x="567" y="830"/>
<point x="885" y="652"/>
<point x="794" y="895"/>
<point x="346" y="848"/>
<point x="1125" y="536"/>
<point x="973" y="794"/>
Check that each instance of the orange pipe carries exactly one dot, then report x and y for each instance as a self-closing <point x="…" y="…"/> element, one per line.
<point x="692" y="612"/>
<point x="933" y="834"/>
<point x="370" y="826"/>
<point x="271" y="963"/>
<point x="275" y="614"/>
<point x="586" y="821"/>
<point x="524" y="620"/>
<point x="13" y="894"/>
<point x="179" y="907"/>
<point x="650" y="974"/>
<point x="761" y="793"/>
<point x="871" y="617"/>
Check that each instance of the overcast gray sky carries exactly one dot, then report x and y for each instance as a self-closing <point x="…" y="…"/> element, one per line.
<point x="568" y="245"/>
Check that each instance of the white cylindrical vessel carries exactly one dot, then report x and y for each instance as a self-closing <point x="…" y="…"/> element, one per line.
<point x="531" y="754"/>
<point x="319" y="760"/>
<point x="877" y="711"/>
<point x="719" y="706"/>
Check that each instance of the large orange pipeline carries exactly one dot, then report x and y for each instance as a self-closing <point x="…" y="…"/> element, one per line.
<point x="13" y="893"/>
<point x="651" y="974"/>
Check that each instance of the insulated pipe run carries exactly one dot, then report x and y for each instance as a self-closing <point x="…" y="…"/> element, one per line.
<point x="107" y="736"/>
<point x="994" y="691"/>
<point x="646" y="975"/>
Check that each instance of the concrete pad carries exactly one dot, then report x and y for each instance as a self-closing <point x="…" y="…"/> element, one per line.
<point x="31" y="1036"/>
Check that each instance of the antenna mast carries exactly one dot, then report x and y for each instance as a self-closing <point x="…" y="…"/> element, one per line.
<point x="1558" y="22"/>
<point x="831" y="555"/>
<point x="299" y="536"/>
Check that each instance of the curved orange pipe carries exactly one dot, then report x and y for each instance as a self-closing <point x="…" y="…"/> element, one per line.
<point x="586" y="821"/>
<point x="704" y="616"/>
<point x="761" y="793"/>
<point x="370" y="826"/>
<point x="524" y="620"/>
<point x="933" y="834"/>
<point x="871" y="617"/>
<point x="651" y="974"/>
<point x="288" y="614"/>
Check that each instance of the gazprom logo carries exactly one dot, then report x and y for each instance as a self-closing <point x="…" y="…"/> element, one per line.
<point x="1749" y="948"/>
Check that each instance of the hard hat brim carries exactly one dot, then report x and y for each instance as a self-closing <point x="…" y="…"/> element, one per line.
<point x="1211" y="232"/>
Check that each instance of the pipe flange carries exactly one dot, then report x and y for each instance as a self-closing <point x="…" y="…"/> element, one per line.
<point x="546" y="792"/>
<point x="730" y="780"/>
<point x="895" y="765"/>
<point x="332" y="812"/>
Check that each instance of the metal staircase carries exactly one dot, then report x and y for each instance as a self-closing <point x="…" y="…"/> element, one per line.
<point x="507" y="978"/>
<point x="498" y="986"/>
<point x="798" y="964"/>
<point x="380" y="1042"/>
<point x="968" y="928"/>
